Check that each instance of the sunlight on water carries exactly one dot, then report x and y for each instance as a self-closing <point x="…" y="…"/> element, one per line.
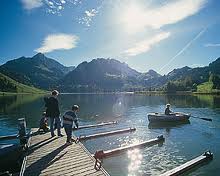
<point x="135" y="158"/>
<point x="128" y="141"/>
<point x="183" y="141"/>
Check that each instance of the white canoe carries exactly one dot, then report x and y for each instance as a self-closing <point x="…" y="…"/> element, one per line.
<point x="159" y="117"/>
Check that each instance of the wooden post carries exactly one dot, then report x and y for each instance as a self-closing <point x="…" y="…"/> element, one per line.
<point x="103" y="154"/>
<point x="22" y="131"/>
<point x="96" y="125"/>
<point x="14" y="136"/>
<point x="81" y="138"/>
<point x="189" y="165"/>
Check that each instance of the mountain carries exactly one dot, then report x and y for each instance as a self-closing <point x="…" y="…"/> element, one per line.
<point x="38" y="71"/>
<point x="149" y="75"/>
<point x="104" y="75"/>
<point x="214" y="67"/>
<point x="100" y="74"/>
<point x="185" y="76"/>
<point x="9" y="85"/>
<point x="178" y="73"/>
<point x="198" y="75"/>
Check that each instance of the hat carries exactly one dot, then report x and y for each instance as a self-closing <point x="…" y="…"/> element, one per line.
<point x="75" y="107"/>
<point x="167" y="105"/>
<point x="55" y="92"/>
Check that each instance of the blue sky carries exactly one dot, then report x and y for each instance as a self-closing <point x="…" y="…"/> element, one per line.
<point x="146" y="34"/>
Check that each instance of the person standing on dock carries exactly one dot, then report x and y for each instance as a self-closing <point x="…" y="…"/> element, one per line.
<point x="53" y="112"/>
<point x="68" y="118"/>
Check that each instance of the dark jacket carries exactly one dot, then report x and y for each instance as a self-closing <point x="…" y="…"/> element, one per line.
<point x="167" y="111"/>
<point x="52" y="107"/>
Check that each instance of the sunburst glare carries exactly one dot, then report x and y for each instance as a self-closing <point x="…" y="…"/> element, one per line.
<point x="132" y="17"/>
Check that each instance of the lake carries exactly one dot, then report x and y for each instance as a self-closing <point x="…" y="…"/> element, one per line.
<point x="182" y="142"/>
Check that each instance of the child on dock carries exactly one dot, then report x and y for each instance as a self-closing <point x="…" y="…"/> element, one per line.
<point x="68" y="118"/>
<point x="44" y="123"/>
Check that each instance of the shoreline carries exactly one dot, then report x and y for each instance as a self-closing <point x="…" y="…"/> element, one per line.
<point x="129" y="93"/>
<point x="176" y="93"/>
<point x="22" y="93"/>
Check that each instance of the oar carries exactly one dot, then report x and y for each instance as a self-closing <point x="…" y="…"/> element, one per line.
<point x="9" y="137"/>
<point x="207" y="119"/>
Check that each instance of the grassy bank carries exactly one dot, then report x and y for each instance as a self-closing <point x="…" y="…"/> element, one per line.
<point x="10" y="86"/>
<point x="207" y="88"/>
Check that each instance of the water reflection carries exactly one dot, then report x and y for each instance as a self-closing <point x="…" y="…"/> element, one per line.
<point x="201" y="101"/>
<point x="167" y="125"/>
<point x="119" y="107"/>
<point x="182" y="141"/>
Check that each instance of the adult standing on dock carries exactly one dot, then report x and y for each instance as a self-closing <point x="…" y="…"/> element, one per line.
<point x="53" y="112"/>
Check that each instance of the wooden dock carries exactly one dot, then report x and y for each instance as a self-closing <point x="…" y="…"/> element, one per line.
<point x="50" y="156"/>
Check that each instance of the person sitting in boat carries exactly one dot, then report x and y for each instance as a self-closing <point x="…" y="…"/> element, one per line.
<point x="68" y="118"/>
<point x="167" y="110"/>
<point x="44" y="123"/>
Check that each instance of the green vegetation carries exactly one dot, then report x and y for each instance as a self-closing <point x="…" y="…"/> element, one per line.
<point x="9" y="85"/>
<point x="211" y="86"/>
<point x="186" y="84"/>
<point x="205" y="87"/>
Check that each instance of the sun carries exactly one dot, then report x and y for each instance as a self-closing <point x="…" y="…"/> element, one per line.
<point x="132" y="17"/>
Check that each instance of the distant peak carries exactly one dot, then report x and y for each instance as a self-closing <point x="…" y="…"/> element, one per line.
<point x="151" y="71"/>
<point x="39" y="55"/>
<point x="186" y="67"/>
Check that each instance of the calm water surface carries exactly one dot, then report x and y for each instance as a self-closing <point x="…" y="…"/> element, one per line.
<point x="182" y="142"/>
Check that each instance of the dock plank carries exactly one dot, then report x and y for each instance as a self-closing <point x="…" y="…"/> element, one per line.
<point x="50" y="156"/>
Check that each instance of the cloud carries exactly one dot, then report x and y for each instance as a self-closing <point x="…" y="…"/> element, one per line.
<point x="87" y="18"/>
<point x="137" y="16"/>
<point x="175" y="12"/>
<point x="91" y="13"/>
<point x="58" y="42"/>
<point x="146" y="45"/>
<point x="31" y="4"/>
<point x="212" y="45"/>
<point x="50" y="6"/>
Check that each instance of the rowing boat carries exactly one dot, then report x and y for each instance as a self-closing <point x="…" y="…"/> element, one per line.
<point x="175" y="117"/>
<point x="10" y="157"/>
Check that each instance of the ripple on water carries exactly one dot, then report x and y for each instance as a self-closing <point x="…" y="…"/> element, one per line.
<point x="182" y="142"/>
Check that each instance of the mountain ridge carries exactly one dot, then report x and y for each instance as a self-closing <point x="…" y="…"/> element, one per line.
<point x="99" y="74"/>
<point x="39" y="70"/>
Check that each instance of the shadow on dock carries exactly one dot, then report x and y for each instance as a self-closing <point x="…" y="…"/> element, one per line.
<point x="41" y="144"/>
<point x="46" y="160"/>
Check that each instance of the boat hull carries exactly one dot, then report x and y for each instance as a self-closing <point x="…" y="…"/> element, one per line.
<point x="10" y="157"/>
<point x="177" y="117"/>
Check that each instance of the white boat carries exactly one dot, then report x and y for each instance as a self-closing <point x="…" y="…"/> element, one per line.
<point x="175" y="117"/>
